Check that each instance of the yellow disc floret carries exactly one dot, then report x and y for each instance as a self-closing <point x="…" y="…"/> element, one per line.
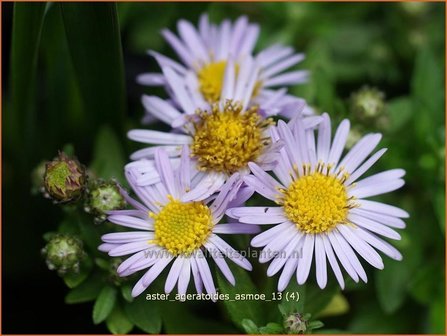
<point x="316" y="202"/>
<point x="182" y="228"/>
<point x="225" y="141"/>
<point x="211" y="77"/>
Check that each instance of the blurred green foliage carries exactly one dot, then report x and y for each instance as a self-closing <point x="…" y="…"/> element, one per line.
<point x="72" y="80"/>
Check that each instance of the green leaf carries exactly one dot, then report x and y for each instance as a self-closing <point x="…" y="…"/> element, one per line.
<point x="437" y="315"/>
<point x="87" y="291"/>
<point x="317" y="299"/>
<point x="48" y="235"/>
<point x="272" y="328"/>
<point x="109" y="158"/>
<point x="427" y="282"/>
<point x="102" y="264"/>
<point x="27" y="25"/>
<point x="315" y="325"/>
<point x="337" y="306"/>
<point x="399" y="111"/>
<point x="73" y="280"/>
<point x="240" y="309"/>
<point x="370" y="319"/>
<point x="144" y="314"/>
<point x="126" y="292"/>
<point x="391" y="284"/>
<point x="104" y="304"/>
<point x="291" y="305"/>
<point x="95" y="47"/>
<point x="187" y="318"/>
<point x="89" y="232"/>
<point x="118" y="323"/>
<point x="249" y="327"/>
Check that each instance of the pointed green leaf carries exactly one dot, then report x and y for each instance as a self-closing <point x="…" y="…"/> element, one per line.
<point x="26" y="31"/>
<point x="104" y="304"/>
<point x="109" y="158"/>
<point x="392" y="284"/>
<point x="87" y="291"/>
<point x="126" y="292"/>
<point x="144" y="314"/>
<point x="118" y="323"/>
<point x="317" y="299"/>
<point x="290" y="305"/>
<point x="250" y="327"/>
<point x="272" y="328"/>
<point x="95" y="47"/>
<point x="240" y="309"/>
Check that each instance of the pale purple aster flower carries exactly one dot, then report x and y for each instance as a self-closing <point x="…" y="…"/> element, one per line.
<point x="322" y="211"/>
<point x="205" y="51"/>
<point x="223" y="137"/>
<point x="177" y="221"/>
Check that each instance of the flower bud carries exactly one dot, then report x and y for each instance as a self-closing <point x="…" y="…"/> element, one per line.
<point x="64" y="253"/>
<point x="103" y="197"/>
<point x="295" y="324"/>
<point x="64" y="179"/>
<point x="368" y="103"/>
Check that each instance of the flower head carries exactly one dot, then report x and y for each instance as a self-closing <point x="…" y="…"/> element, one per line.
<point x="178" y="221"/>
<point x="104" y="196"/>
<point x="368" y="103"/>
<point x="206" y="51"/>
<point x="64" y="253"/>
<point x="224" y="136"/>
<point x="322" y="210"/>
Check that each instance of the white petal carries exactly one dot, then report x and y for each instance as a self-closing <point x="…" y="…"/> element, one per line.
<point x="350" y="254"/>
<point x="173" y="275"/>
<point x="382" y="208"/>
<point x="265" y="237"/>
<point x="304" y="264"/>
<point x="365" y="166"/>
<point x="160" y="138"/>
<point x="376" y="189"/>
<point x="333" y="261"/>
<point x="320" y="262"/>
<point x="338" y="250"/>
<point x="184" y="277"/>
<point x="160" y="109"/>
<point x="362" y="248"/>
<point x="339" y="142"/>
<point x="374" y="226"/>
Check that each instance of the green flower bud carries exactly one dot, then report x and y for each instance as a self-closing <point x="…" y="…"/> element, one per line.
<point x="103" y="197"/>
<point x="64" y="253"/>
<point x="37" y="175"/>
<point x="368" y="103"/>
<point x="295" y="324"/>
<point x="64" y="179"/>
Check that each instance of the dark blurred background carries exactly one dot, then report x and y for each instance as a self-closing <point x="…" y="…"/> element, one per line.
<point x="48" y="102"/>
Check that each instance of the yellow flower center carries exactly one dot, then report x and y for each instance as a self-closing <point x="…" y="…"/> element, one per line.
<point x="211" y="78"/>
<point x="316" y="202"/>
<point x="225" y="141"/>
<point x="181" y="228"/>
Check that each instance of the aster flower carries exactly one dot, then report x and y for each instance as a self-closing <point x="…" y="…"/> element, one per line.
<point x="322" y="211"/>
<point x="206" y="51"/>
<point x="224" y="136"/>
<point x="177" y="222"/>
